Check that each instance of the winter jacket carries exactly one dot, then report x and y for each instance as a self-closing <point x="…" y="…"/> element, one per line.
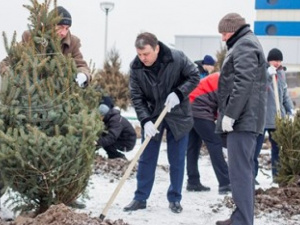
<point x="285" y="102"/>
<point x="70" y="45"/>
<point x="120" y="132"/>
<point x="202" y="72"/>
<point x="204" y="98"/>
<point x="149" y="90"/>
<point x="243" y="83"/>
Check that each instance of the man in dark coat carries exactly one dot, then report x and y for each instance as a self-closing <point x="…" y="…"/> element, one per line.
<point x="160" y="77"/>
<point x="242" y="106"/>
<point x="119" y="135"/>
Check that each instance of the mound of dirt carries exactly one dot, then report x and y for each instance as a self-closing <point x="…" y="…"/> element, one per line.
<point x="286" y="200"/>
<point x="112" y="167"/>
<point x="63" y="215"/>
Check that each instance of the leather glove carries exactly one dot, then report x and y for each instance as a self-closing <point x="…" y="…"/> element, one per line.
<point x="172" y="101"/>
<point x="227" y="124"/>
<point x="150" y="130"/>
<point x="272" y="70"/>
<point x="81" y="79"/>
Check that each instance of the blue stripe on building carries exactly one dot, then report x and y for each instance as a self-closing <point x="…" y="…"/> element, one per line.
<point x="276" y="28"/>
<point x="277" y="4"/>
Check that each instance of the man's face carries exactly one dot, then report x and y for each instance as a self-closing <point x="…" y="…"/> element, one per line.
<point x="275" y="63"/>
<point x="62" y="30"/>
<point x="208" y="68"/>
<point x="226" y="35"/>
<point x="148" y="55"/>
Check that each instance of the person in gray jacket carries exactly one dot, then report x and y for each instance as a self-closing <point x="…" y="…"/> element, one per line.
<point x="274" y="58"/>
<point x="242" y="108"/>
<point x="160" y="77"/>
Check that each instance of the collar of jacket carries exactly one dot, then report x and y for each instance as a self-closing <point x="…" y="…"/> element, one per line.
<point x="164" y="54"/>
<point x="243" y="30"/>
<point x="67" y="40"/>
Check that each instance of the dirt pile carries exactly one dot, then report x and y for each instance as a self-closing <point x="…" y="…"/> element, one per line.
<point x="114" y="168"/>
<point x="63" y="215"/>
<point x="285" y="200"/>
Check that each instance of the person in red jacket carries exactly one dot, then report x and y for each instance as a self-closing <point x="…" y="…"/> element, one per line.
<point x="204" y="107"/>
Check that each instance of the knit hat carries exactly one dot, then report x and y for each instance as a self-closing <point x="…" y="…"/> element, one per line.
<point x="103" y="109"/>
<point x="231" y="23"/>
<point x="275" y="54"/>
<point x="66" y="16"/>
<point x="107" y="100"/>
<point x="208" y="60"/>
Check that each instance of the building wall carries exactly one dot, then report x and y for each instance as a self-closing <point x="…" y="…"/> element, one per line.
<point x="277" y="18"/>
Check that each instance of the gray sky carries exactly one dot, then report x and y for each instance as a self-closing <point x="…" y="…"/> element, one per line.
<point x="164" y="18"/>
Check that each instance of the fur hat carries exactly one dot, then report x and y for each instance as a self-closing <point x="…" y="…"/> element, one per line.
<point x="275" y="54"/>
<point x="208" y="60"/>
<point x="66" y="16"/>
<point x="231" y="23"/>
<point x="103" y="109"/>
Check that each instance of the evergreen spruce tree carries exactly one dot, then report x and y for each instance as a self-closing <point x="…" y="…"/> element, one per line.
<point x="112" y="81"/>
<point x="287" y="136"/>
<point x="48" y="125"/>
<point x="220" y="57"/>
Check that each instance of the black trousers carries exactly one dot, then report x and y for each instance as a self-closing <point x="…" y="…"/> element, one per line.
<point x="204" y="130"/>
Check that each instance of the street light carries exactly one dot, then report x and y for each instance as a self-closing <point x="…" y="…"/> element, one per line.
<point x="106" y="7"/>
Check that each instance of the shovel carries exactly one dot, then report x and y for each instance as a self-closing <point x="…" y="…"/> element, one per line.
<point x="275" y="87"/>
<point x="131" y="165"/>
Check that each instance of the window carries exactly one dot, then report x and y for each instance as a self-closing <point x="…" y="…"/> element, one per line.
<point x="271" y="29"/>
<point x="272" y="2"/>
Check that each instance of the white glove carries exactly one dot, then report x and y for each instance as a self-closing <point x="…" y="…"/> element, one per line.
<point x="172" y="101"/>
<point x="291" y="115"/>
<point x="81" y="79"/>
<point x="149" y="129"/>
<point x="272" y="70"/>
<point x="227" y="124"/>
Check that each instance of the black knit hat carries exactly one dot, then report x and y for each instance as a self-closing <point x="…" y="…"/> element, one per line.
<point x="231" y="23"/>
<point x="66" y="16"/>
<point x="275" y="54"/>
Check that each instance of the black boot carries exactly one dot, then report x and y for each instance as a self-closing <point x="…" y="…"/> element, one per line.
<point x="175" y="207"/>
<point x="197" y="187"/>
<point x="135" y="205"/>
<point x="223" y="190"/>
<point x="224" y="222"/>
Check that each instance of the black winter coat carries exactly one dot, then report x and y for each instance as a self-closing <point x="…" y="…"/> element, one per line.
<point x="149" y="91"/>
<point x="242" y="86"/>
<point x="119" y="130"/>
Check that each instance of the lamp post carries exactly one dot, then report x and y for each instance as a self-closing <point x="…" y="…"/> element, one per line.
<point x="106" y="7"/>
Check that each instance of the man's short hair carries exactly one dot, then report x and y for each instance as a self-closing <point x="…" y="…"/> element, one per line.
<point x="144" y="39"/>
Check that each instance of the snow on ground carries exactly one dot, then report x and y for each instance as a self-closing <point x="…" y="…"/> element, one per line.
<point x="199" y="208"/>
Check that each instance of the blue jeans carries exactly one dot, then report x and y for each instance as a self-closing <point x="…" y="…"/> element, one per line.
<point x="204" y="130"/>
<point x="148" y="161"/>
<point x="274" y="152"/>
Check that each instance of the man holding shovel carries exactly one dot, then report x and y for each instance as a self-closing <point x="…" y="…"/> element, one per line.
<point x="279" y="104"/>
<point x="161" y="77"/>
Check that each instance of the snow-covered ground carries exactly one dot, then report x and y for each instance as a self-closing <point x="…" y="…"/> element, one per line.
<point x="199" y="208"/>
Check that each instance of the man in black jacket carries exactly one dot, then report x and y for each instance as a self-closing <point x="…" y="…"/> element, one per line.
<point x="160" y="77"/>
<point x="119" y="134"/>
<point x="242" y="96"/>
